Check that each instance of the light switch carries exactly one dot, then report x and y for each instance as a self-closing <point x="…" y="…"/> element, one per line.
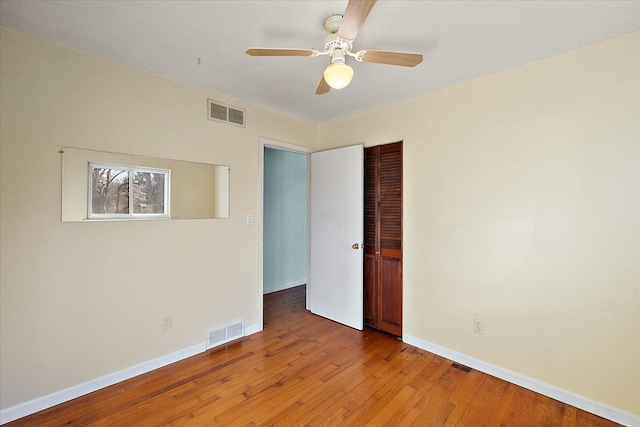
<point x="250" y="219"/>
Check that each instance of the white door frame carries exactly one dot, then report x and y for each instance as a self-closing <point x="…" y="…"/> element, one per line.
<point x="271" y="143"/>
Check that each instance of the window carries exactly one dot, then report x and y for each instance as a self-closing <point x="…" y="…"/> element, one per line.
<point x="128" y="192"/>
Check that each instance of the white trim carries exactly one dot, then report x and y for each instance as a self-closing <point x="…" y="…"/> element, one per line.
<point x="286" y="146"/>
<point x="253" y="329"/>
<point x="568" y="397"/>
<point x="40" y="403"/>
<point x="265" y="142"/>
<point x="283" y="286"/>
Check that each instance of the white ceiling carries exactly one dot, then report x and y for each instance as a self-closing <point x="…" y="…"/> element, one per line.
<point x="460" y="40"/>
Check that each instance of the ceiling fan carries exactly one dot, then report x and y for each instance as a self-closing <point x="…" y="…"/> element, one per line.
<point x="343" y="30"/>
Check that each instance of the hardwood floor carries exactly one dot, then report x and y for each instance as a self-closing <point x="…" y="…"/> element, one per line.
<point x="306" y="370"/>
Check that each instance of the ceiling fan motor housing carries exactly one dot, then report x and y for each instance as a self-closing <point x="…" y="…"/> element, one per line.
<point x="333" y="43"/>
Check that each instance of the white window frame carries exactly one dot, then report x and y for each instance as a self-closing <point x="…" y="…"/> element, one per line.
<point x="130" y="170"/>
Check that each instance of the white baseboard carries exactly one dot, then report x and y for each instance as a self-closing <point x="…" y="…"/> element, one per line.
<point x="285" y="286"/>
<point x="38" y="404"/>
<point x="581" y="402"/>
<point x="250" y="330"/>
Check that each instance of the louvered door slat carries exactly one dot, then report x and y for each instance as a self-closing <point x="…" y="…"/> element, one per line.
<point x="390" y="178"/>
<point x="369" y="200"/>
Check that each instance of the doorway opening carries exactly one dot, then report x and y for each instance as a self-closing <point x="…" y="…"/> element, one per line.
<point x="285" y="219"/>
<point x="284" y="226"/>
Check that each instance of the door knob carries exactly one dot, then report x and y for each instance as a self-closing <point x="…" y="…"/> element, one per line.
<point x="355" y="246"/>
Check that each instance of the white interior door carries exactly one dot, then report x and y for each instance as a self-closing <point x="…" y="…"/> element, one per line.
<point x="335" y="276"/>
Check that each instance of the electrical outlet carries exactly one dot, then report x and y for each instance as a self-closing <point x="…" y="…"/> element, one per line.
<point x="478" y="326"/>
<point x="167" y="322"/>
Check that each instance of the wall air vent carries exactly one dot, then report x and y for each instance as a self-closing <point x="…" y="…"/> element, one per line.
<point x="236" y="116"/>
<point x="225" y="333"/>
<point x="220" y="112"/>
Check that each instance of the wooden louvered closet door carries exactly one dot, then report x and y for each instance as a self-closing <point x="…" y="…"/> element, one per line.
<point x="383" y="238"/>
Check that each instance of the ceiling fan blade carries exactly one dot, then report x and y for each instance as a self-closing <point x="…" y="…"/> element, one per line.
<point x="279" y="52"/>
<point x="403" y="59"/>
<point x="323" y="87"/>
<point x="353" y="18"/>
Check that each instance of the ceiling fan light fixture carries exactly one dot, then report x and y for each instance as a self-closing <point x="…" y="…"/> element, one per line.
<point x="338" y="75"/>
<point x="343" y="30"/>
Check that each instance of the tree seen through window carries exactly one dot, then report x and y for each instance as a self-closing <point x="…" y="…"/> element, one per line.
<point x="124" y="191"/>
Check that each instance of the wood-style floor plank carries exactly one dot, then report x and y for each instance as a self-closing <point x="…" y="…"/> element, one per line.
<point x="303" y="370"/>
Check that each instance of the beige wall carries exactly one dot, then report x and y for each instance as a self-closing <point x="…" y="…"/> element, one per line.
<point x="79" y="301"/>
<point x="522" y="209"/>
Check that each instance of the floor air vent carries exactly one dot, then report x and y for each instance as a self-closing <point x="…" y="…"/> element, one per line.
<point x="461" y="367"/>
<point x="225" y="333"/>
<point x="220" y="112"/>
